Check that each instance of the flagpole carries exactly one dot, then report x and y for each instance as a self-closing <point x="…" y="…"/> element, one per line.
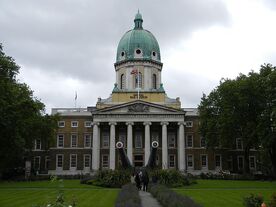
<point x="75" y="99"/>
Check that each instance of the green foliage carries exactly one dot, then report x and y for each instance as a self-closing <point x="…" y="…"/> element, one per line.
<point x="253" y="200"/>
<point x="169" y="198"/>
<point x="111" y="178"/>
<point x="22" y="120"/>
<point x="128" y="196"/>
<point x="171" y="178"/>
<point x="273" y="200"/>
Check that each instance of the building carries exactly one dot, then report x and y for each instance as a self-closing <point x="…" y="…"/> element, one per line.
<point x="137" y="113"/>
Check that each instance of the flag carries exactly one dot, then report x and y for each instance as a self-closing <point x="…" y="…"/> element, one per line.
<point x="76" y="95"/>
<point x="134" y="72"/>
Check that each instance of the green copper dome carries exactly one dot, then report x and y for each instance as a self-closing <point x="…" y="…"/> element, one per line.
<point x="138" y="43"/>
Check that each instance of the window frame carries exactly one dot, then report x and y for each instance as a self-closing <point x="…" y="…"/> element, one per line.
<point x="84" y="141"/>
<point x="201" y="161"/>
<point x="86" y="125"/>
<point x="171" y="143"/>
<point x="57" y="161"/>
<point x="220" y="161"/>
<point x="174" y="161"/>
<point x="189" y="124"/>
<point x="76" y="164"/>
<point x="74" y="134"/>
<point x="105" y="164"/>
<point x="254" y="157"/>
<point x="47" y="162"/>
<point x="59" y="124"/>
<point x="35" y="144"/>
<point x="74" y="126"/>
<point x="39" y="163"/>
<point x="238" y="161"/>
<point x="202" y="138"/>
<point x="105" y="139"/>
<point x="58" y="140"/>
<point x="187" y="140"/>
<point x="237" y="144"/>
<point x="84" y="161"/>
<point x="192" y="160"/>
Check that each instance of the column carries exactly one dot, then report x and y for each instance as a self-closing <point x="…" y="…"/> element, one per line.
<point x="96" y="147"/>
<point x="112" y="146"/>
<point x="181" y="147"/>
<point x="129" y="141"/>
<point x="164" y="145"/>
<point x="147" y="142"/>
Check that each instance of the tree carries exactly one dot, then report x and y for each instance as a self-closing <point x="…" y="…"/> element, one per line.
<point x="22" y="117"/>
<point x="235" y="109"/>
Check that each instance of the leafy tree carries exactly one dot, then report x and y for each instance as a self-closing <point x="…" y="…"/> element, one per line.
<point x="237" y="109"/>
<point x="22" y="118"/>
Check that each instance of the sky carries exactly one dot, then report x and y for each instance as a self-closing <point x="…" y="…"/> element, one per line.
<point x="66" y="46"/>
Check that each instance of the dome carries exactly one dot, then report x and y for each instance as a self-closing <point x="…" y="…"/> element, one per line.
<point x="138" y="43"/>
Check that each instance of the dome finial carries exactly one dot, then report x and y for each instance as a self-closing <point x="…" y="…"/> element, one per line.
<point x="138" y="21"/>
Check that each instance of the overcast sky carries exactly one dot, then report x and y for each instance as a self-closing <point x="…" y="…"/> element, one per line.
<point x="66" y="46"/>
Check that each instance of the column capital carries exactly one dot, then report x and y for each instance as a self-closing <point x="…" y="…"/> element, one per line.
<point x="164" y="123"/>
<point x="147" y="123"/>
<point x="95" y="123"/>
<point x="181" y="123"/>
<point x="129" y="123"/>
<point x="112" y="123"/>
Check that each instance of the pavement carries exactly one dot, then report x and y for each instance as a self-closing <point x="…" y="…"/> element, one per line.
<point x="148" y="200"/>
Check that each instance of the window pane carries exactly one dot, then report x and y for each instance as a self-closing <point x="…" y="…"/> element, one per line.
<point x="138" y="139"/>
<point x="105" y="143"/>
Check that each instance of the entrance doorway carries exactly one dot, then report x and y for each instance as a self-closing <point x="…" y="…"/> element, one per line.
<point x="138" y="160"/>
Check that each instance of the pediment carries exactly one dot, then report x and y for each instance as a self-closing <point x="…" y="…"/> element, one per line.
<point x="138" y="106"/>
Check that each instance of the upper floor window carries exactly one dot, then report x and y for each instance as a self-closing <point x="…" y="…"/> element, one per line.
<point x="37" y="144"/>
<point x="189" y="140"/>
<point x="122" y="137"/>
<point x="61" y="123"/>
<point x="138" y="80"/>
<point x="202" y="142"/>
<point x="87" y="124"/>
<point x="138" y="139"/>
<point x="74" y="140"/>
<point x="252" y="162"/>
<point x="189" y="124"/>
<point x="74" y="123"/>
<point x="122" y="81"/>
<point x="171" y="139"/>
<point x="154" y="81"/>
<point x="60" y="140"/>
<point x="239" y="144"/>
<point x="87" y="140"/>
<point x="105" y="143"/>
<point x="155" y="136"/>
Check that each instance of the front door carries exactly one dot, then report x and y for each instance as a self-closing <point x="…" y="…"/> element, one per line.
<point x="138" y="160"/>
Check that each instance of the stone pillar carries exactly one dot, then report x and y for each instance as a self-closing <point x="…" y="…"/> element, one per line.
<point x="164" y="145"/>
<point x="129" y="141"/>
<point x="181" y="147"/>
<point x="112" y="146"/>
<point x="96" y="147"/>
<point x="147" y="142"/>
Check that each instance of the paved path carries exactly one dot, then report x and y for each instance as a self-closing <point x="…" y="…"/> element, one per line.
<point x="148" y="200"/>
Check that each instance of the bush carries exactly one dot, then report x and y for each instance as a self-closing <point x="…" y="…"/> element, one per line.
<point x="111" y="178"/>
<point x="253" y="200"/>
<point x="128" y="197"/>
<point x="273" y="200"/>
<point x="171" y="178"/>
<point x="169" y="198"/>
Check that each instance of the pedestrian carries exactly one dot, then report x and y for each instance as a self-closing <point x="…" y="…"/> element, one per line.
<point x="138" y="181"/>
<point x="145" y="180"/>
<point x="132" y="178"/>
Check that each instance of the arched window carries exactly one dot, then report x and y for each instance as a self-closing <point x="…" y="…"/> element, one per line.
<point x="138" y="80"/>
<point x="122" y="81"/>
<point x="154" y="84"/>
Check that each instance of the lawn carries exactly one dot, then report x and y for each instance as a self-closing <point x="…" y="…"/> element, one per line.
<point x="226" y="193"/>
<point x="26" y="194"/>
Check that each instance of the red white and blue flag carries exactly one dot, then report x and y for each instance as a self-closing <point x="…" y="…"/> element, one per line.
<point x="134" y="72"/>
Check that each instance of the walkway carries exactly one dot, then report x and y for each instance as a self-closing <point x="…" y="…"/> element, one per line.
<point x="148" y="200"/>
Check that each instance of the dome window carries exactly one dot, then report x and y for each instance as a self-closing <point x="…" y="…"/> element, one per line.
<point x="122" y="53"/>
<point x="153" y="54"/>
<point x="138" y="51"/>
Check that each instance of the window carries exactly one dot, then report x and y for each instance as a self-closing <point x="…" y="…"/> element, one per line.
<point x="190" y="161"/>
<point x="252" y="162"/>
<point x="87" y="140"/>
<point x="189" y="140"/>
<point x="37" y="144"/>
<point x="74" y="123"/>
<point x="172" y="161"/>
<point x="202" y="142"/>
<point x="105" y="143"/>
<point x="189" y="124"/>
<point x="73" y="161"/>
<point x="155" y="136"/>
<point x="204" y="161"/>
<point x="60" y="141"/>
<point x="74" y="140"/>
<point x="154" y="81"/>
<point x="59" y="161"/>
<point x="218" y="161"/>
<point x="171" y="139"/>
<point x="122" y="81"/>
<point x="87" y="161"/>
<point x="87" y="124"/>
<point x="105" y="161"/>
<point x="240" y="162"/>
<point x="138" y="80"/>
<point x="61" y="123"/>
<point x="47" y="162"/>
<point x="122" y="137"/>
<point x="239" y="144"/>
<point x="138" y="139"/>
<point x="36" y="162"/>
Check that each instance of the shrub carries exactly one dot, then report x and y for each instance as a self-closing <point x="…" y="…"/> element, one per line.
<point x="111" y="178"/>
<point x="253" y="200"/>
<point x="273" y="200"/>
<point x="128" y="197"/>
<point x="169" y="198"/>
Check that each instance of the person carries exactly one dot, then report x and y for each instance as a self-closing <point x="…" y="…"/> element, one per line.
<point x="138" y="181"/>
<point x="145" y="180"/>
<point x="132" y="178"/>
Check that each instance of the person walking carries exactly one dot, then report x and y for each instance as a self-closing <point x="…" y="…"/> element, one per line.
<point x="138" y="181"/>
<point x="145" y="180"/>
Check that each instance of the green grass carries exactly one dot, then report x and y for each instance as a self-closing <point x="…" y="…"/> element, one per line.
<point x="26" y="194"/>
<point x="226" y="193"/>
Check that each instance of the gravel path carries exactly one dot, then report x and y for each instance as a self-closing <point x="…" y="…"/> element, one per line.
<point x="148" y="200"/>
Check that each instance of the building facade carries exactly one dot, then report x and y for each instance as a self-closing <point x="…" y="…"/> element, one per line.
<point x="137" y="113"/>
